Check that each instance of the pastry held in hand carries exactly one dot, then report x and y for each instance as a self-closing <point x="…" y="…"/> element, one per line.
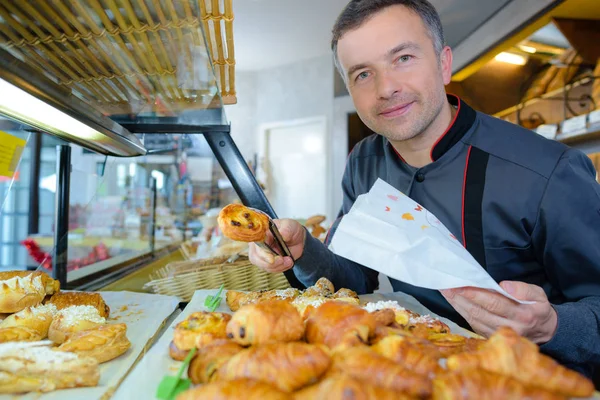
<point x="477" y="384"/>
<point x="243" y="224"/>
<point x="102" y="344"/>
<point x="287" y="366"/>
<point x="198" y="330"/>
<point x="34" y="366"/>
<point x="344" y="387"/>
<point x="206" y="364"/>
<point x="22" y="289"/>
<point x="36" y="319"/>
<point x="507" y="353"/>
<point x="67" y="299"/>
<point x="338" y="324"/>
<point x="246" y="389"/>
<point x="73" y="319"/>
<point x="266" y="322"/>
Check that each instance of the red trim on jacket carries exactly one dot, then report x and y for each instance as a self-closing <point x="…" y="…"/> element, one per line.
<point x="464" y="239"/>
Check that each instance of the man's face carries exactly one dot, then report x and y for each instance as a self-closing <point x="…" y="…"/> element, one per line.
<point x="393" y="73"/>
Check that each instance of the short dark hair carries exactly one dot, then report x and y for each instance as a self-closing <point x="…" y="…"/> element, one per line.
<point x="358" y="11"/>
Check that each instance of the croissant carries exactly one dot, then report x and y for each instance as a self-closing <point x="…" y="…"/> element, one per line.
<point x="67" y="299"/>
<point x="384" y="317"/>
<point x="246" y="389"/>
<point x="338" y="324"/>
<point x="365" y="364"/>
<point x="103" y="344"/>
<point x="417" y="355"/>
<point x="477" y="384"/>
<point x="449" y="343"/>
<point x="270" y="321"/>
<point x="204" y="366"/>
<point x="509" y="354"/>
<point x="345" y="387"/>
<point x="287" y="366"/>
<point x="242" y="224"/>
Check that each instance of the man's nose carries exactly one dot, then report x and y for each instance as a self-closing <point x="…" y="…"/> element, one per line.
<point x="387" y="85"/>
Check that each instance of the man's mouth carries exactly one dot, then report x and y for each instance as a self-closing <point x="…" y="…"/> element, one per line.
<point x="397" y="110"/>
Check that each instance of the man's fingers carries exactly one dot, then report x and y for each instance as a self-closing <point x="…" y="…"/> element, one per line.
<point x="492" y="302"/>
<point x="524" y="291"/>
<point x="259" y="256"/>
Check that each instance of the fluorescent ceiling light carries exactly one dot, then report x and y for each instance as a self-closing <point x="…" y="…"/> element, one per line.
<point x="511" y="58"/>
<point x="527" y="49"/>
<point x="18" y="104"/>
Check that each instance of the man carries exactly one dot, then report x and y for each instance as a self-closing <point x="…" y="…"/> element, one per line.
<point x="527" y="208"/>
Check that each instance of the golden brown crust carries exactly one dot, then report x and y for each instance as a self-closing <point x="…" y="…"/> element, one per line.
<point x="417" y="355"/>
<point x="266" y="322"/>
<point x="36" y="318"/>
<point x="449" y="343"/>
<point x="341" y="386"/>
<point x="21" y="289"/>
<point x="204" y="366"/>
<point x="246" y="389"/>
<point x="236" y="299"/>
<point x="19" y="334"/>
<point x="199" y="329"/>
<point x="287" y="366"/>
<point x="73" y="319"/>
<point x="314" y="220"/>
<point x="51" y="286"/>
<point x="67" y="299"/>
<point x="240" y="223"/>
<point x="103" y="344"/>
<point x="176" y="353"/>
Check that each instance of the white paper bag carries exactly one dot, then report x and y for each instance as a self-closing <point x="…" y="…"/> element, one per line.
<point x="387" y="231"/>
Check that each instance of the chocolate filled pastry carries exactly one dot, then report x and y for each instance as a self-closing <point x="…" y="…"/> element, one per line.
<point x="246" y="389"/>
<point x="287" y="366"/>
<point x="270" y="321"/>
<point x="103" y="344"/>
<point x="35" y="367"/>
<point x="198" y="330"/>
<point x="22" y="289"/>
<point x="204" y="366"/>
<point x="344" y="387"/>
<point x="73" y="319"/>
<point x="67" y="299"/>
<point x="240" y="223"/>
<point x="338" y="324"/>
<point x="35" y="319"/>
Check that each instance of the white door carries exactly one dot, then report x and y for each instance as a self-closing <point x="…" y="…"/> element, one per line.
<point x="296" y="158"/>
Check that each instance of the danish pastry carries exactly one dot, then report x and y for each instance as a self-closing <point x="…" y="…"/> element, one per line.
<point x="73" y="319"/>
<point x="236" y="299"/>
<point x="240" y="223"/>
<point x="37" y="319"/>
<point x="22" y="289"/>
<point x="34" y="366"/>
<point x="67" y="299"/>
<point x="270" y="321"/>
<point x="102" y="344"/>
<point x="19" y="334"/>
<point x="198" y="330"/>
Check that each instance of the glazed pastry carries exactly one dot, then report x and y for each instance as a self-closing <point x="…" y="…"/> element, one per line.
<point x="246" y="389"/>
<point x="236" y="299"/>
<point x="341" y="325"/>
<point x="34" y="366"/>
<point x="287" y="366"/>
<point x="365" y="364"/>
<point x="506" y="353"/>
<point x="477" y="384"/>
<point x="322" y="287"/>
<point x="384" y="317"/>
<point x="204" y="366"/>
<point x="198" y="330"/>
<point x="67" y="299"/>
<point x="73" y="319"/>
<point x="270" y="321"/>
<point x="240" y="223"/>
<point x="344" y="387"/>
<point x="37" y="319"/>
<point x="345" y="293"/>
<point x="19" y="334"/>
<point x="102" y="344"/>
<point x="449" y="343"/>
<point x="22" y="289"/>
<point x="417" y="355"/>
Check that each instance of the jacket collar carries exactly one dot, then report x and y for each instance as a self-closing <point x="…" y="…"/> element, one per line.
<point x="460" y="125"/>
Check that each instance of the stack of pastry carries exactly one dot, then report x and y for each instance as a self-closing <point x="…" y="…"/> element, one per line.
<point x="271" y="349"/>
<point x="34" y="309"/>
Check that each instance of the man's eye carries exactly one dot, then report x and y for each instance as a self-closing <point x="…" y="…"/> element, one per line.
<point x="362" y="75"/>
<point x="404" y="58"/>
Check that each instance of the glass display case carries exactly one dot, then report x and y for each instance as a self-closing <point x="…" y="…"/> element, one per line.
<point x="133" y="95"/>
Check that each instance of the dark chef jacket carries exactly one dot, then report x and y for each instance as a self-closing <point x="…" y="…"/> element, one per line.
<point x="526" y="208"/>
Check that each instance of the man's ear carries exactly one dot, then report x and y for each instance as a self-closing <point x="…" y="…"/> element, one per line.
<point x="446" y="64"/>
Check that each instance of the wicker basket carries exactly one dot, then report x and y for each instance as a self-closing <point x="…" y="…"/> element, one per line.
<point x="127" y="56"/>
<point x="183" y="278"/>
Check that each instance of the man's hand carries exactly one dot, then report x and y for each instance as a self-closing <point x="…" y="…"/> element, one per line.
<point x="293" y="234"/>
<point x="486" y="310"/>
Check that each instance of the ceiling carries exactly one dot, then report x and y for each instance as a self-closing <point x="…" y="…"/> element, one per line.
<point x="270" y="33"/>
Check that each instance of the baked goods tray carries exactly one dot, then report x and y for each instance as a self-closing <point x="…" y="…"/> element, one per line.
<point x="144" y="315"/>
<point x="142" y="382"/>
